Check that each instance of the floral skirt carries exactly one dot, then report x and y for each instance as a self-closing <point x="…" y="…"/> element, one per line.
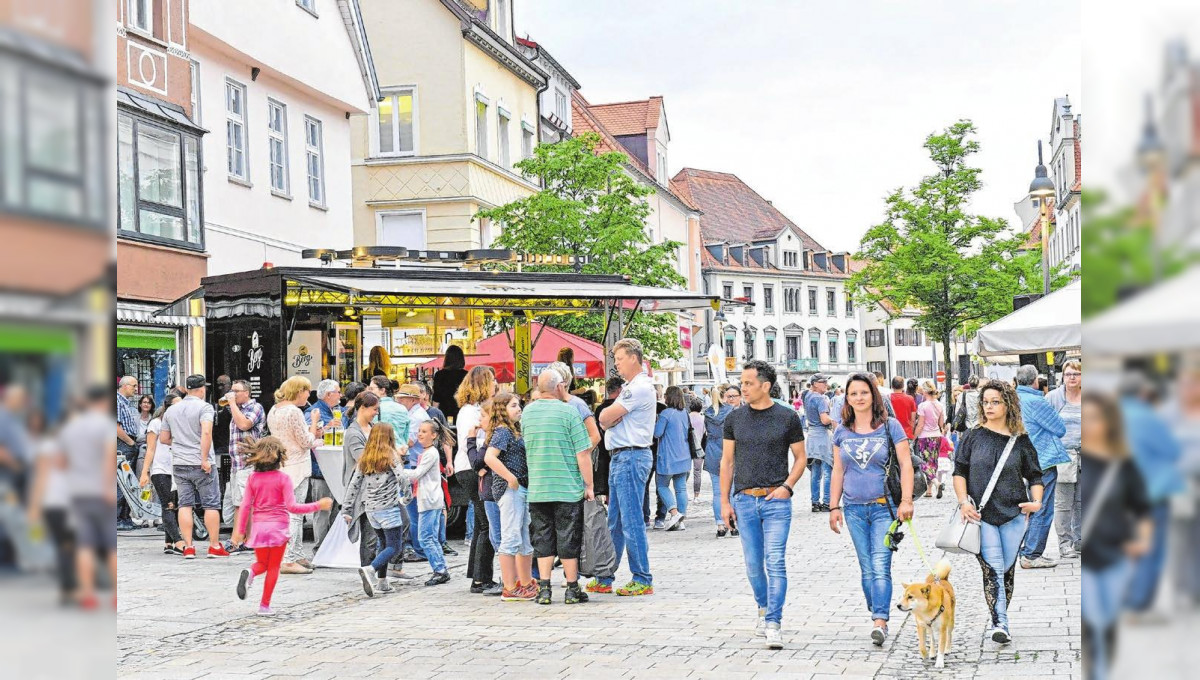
<point x="927" y="451"/>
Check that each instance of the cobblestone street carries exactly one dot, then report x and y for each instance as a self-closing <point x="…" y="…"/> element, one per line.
<point x="182" y="620"/>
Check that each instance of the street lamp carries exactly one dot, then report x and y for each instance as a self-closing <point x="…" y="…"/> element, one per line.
<point x="1152" y="157"/>
<point x="1041" y="189"/>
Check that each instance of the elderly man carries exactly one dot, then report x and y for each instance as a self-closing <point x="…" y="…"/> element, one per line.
<point x="1046" y="429"/>
<point x="127" y="439"/>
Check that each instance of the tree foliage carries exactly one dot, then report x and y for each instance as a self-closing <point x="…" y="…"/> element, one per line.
<point x="957" y="269"/>
<point x="590" y="206"/>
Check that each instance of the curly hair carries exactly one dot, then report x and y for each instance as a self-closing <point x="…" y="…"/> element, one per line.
<point x="498" y="415"/>
<point x="264" y="454"/>
<point x="477" y="387"/>
<point x="1012" y="405"/>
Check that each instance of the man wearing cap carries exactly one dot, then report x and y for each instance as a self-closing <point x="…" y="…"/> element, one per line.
<point x="187" y="427"/>
<point x="819" y="445"/>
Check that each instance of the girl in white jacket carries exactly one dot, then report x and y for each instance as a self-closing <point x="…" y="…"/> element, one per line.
<point x="432" y="440"/>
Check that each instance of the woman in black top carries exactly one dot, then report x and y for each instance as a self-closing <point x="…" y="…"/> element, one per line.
<point x="1116" y="527"/>
<point x="447" y="380"/>
<point x="1004" y="518"/>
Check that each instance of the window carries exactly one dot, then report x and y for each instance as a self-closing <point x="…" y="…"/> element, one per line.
<point x="195" y="74"/>
<point x="833" y="346"/>
<point x="159" y="182"/>
<point x="235" y="130"/>
<point x="662" y="168"/>
<point x="849" y="306"/>
<point x="730" y="348"/>
<point x="830" y="302"/>
<point x="485" y="233"/>
<point x="814" y="344"/>
<point x="812" y="301"/>
<point x="481" y="128"/>
<point x="876" y="337"/>
<point x="505" y="156"/>
<point x="768" y="299"/>
<point x="793" y="347"/>
<point x="770" y="349"/>
<point x="314" y="152"/>
<point x="727" y="291"/>
<point x="401" y="229"/>
<point x="791" y="300"/>
<point x="526" y="142"/>
<point x="141" y="15"/>
<point x="789" y="259"/>
<point x="560" y="104"/>
<point x="877" y="366"/>
<point x="852" y="347"/>
<point x="395" y="131"/>
<point x="309" y="6"/>
<point x="748" y="292"/>
<point x="908" y="337"/>
<point x="277" y="145"/>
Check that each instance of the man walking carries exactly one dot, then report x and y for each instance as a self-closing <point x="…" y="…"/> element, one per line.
<point x="820" y="441"/>
<point x="1046" y="429"/>
<point x="127" y="444"/>
<point x="559" y="457"/>
<point x="187" y="428"/>
<point x="248" y="420"/>
<point x="629" y="430"/>
<point x="757" y="489"/>
<point x="91" y="477"/>
<point x="903" y="407"/>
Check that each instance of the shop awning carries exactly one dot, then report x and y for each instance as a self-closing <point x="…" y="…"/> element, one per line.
<point x="497" y="352"/>
<point x="1050" y="324"/>
<point x="491" y="290"/>
<point x="1159" y="319"/>
<point x="132" y="312"/>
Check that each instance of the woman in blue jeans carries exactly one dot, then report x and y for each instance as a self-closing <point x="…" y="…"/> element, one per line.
<point x="858" y="490"/>
<point x="714" y="425"/>
<point x="674" y="457"/>
<point x="1003" y="513"/>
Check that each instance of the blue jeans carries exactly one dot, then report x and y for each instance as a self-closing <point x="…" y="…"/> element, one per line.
<point x="1041" y="521"/>
<point x="428" y="531"/>
<point x="672" y="489"/>
<point x="494" y="523"/>
<point x="514" y="513"/>
<point x="822" y="475"/>
<point x="414" y="535"/>
<point x="868" y="524"/>
<point x="627" y="478"/>
<point x="1148" y="569"/>
<point x="470" y="523"/>
<point x="998" y="546"/>
<point x="1103" y="591"/>
<point x="764" y="526"/>
<point x="716" y="481"/>
<point x="394" y="538"/>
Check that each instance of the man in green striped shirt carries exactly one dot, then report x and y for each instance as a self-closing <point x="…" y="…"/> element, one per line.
<point x="558" y="453"/>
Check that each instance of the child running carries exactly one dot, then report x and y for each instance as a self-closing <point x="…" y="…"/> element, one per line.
<point x="269" y="498"/>
<point x="375" y="491"/>
<point x="506" y="457"/>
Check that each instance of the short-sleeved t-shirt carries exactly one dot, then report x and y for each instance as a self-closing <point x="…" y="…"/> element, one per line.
<point x="512" y="454"/>
<point x="864" y="460"/>
<point x="761" y="441"/>
<point x="581" y="406"/>
<point x="637" y="427"/>
<point x="554" y="434"/>
<point x="163" y="459"/>
<point x="815" y="404"/>
<point x="904" y="407"/>
<point x="84" y="441"/>
<point x="183" y="422"/>
<point x="932" y="412"/>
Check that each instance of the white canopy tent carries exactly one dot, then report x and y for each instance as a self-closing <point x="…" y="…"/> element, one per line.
<point x="1050" y="324"/>
<point x="1165" y="318"/>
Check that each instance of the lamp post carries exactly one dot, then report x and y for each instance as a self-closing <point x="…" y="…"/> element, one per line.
<point x="1152" y="157"/>
<point x="1041" y="190"/>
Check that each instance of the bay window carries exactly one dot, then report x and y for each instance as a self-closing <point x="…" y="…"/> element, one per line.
<point x="158" y="182"/>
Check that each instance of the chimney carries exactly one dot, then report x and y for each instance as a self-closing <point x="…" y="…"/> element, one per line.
<point x="839" y="261"/>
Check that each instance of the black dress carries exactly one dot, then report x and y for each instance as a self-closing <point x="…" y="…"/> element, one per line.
<point x="445" y="384"/>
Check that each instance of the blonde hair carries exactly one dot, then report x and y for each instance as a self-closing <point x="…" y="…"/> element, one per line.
<point x="928" y="387"/>
<point x="380" y="363"/>
<point x="380" y="450"/>
<point x="1075" y="364"/>
<point x="630" y="346"/>
<point x="264" y="454"/>
<point x="292" y="388"/>
<point x="477" y="387"/>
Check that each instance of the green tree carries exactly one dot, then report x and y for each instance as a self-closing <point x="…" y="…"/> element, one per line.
<point x="590" y="206"/>
<point x="959" y="270"/>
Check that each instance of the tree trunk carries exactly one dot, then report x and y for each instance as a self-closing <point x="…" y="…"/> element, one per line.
<point x="949" y="391"/>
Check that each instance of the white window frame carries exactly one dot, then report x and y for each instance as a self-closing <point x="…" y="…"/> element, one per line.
<point x="528" y="143"/>
<point x="380" y="214"/>
<point x="309" y="6"/>
<point x="194" y="72"/>
<point x="319" y="152"/>
<point x="502" y="19"/>
<point x="240" y="120"/>
<point x="503" y="121"/>
<point x="132" y="16"/>
<point x="480" y="118"/>
<point x="561" y="104"/>
<point x="281" y="137"/>
<point x="394" y="93"/>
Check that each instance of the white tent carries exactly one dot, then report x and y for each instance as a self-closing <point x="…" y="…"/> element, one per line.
<point x="1165" y="318"/>
<point x="1050" y="324"/>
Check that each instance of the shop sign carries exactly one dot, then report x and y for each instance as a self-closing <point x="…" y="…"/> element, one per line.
<point x="304" y="355"/>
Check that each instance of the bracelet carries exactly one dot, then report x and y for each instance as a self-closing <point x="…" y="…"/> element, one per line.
<point x="836" y="507"/>
<point x="791" y="491"/>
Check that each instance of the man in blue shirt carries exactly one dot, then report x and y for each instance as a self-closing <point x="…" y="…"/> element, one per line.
<point x="1045" y="428"/>
<point x="127" y="436"/>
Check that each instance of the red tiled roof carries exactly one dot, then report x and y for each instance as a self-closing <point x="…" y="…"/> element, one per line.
<point x="629" y="118"/>
<point x="710" y="263"/>
<point x="733" y="211"/>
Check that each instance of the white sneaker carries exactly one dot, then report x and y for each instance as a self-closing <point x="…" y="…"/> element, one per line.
<point x="367" y="574"/>
<point x="673" y="521"/>
<point x="681" y="527"/>
<point x="383" y="586"/>
<point x="1000" y="635"/>
<point x="760" y="628"/>
<point x="774" y="636"/>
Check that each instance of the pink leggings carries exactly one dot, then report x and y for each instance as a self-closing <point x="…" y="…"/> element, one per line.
<point x="268" y="560"/>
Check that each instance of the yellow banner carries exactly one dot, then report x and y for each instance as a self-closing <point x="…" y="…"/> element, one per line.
<point x="522" y="353"/>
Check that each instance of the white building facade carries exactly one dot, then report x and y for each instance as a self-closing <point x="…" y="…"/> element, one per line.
<point x="554" y="103"/>
<point x="892" y="345"/>
<point x="278" y="83"/>
<point x="1066" y="130"/>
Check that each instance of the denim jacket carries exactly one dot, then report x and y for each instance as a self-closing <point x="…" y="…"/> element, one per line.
<point x="714" y="427"/>
<point x="1045" y="427"/>
<point x="1154" y="447"/>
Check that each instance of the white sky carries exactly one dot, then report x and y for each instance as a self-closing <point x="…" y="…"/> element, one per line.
<point x="823" y="107"/>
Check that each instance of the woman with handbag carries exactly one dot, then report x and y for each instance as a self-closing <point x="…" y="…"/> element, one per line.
<point x="995" y="462"/>
<point x="862" y="447"/>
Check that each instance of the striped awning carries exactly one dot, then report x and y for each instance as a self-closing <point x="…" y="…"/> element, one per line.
<point x="135" y="313"/>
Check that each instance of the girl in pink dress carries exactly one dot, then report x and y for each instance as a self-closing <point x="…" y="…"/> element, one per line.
<point x="269" y="498"/>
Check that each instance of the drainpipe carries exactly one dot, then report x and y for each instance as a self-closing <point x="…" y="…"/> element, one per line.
<point x="887" y="340"/>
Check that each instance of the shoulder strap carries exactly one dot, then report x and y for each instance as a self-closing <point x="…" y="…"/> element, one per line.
<point x="1097" y="501"/>
<point x="987" y="493"/>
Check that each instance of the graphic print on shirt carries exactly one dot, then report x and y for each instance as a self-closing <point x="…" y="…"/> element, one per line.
<point x="863" y="450"/>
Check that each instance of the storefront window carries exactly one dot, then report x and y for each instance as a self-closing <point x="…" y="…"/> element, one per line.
<point x="150" y="355"/>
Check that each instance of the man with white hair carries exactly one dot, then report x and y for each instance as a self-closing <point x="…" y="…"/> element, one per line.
<point x="127" y="435"/>
<point x="329" y="397"/>
<point x="1045" y="428"/>
<point x="585" y="413"/>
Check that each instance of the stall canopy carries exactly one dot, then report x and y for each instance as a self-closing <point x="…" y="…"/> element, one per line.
<point x="497" y="352"/>
<point x="1157" y="320"/>
<point x="1050" y="324"/>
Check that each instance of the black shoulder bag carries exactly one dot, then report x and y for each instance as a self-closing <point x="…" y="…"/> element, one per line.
<point x="894" y="490"/>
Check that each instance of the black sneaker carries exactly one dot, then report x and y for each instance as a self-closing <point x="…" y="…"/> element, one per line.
<point x="172" y="550"/>
<point x="447" y="550"/>
<point x="495" y="589"/>
<point x="721" y="531"/>
<point x="734" y="532"/>
<point x="816" y="507"/>
<point x="411" y="555"/>
<point x="824" y="507"/>
<point x="939" y="491"/>
<point x="477" y="587"/>
<point x="544" y="595"/>
<point x="573" y="595"/>
<point x="438" y="578"/>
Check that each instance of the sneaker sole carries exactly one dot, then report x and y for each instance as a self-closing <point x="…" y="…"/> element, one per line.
<point x="878" y="637"/>
<point x="1001" y="638"/>
<point x="775" y="645"/>
<point x="189" y="557"/>
<point x="368" y="587"/>
<point x="243" y="580"/>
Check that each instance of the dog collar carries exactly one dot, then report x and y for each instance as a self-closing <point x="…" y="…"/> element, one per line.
<point x="941" y="610"/>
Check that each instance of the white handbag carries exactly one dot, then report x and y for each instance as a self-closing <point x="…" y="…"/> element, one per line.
<point x="961" y="535"/>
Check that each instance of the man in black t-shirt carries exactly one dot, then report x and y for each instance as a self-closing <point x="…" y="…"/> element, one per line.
<point x="757" y="489"/>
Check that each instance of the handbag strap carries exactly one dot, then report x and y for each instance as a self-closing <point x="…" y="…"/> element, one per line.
<point x="987" y="493"/>
<point x="1095" y="503"/>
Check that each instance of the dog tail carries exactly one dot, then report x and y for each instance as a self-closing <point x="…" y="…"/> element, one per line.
<point x="941" y="570"/>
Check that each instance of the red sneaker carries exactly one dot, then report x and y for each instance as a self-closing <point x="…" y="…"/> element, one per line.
<point x="89" y="603"/>
<point x="217" y="551"/>
<point x="189" y="553"/>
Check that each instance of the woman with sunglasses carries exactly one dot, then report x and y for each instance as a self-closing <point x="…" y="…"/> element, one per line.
<point x="858" y="490"/>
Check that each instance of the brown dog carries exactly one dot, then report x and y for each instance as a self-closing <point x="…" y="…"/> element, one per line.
<point x="932" y="605"/>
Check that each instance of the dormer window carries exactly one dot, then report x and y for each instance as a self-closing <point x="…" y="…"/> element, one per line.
<point x="790" y="258"/>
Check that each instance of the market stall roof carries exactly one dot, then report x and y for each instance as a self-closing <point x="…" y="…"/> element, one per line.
<point x="1157" y="320"/>
<point x="1050" y="324"/>
<point x="497" y="352"/>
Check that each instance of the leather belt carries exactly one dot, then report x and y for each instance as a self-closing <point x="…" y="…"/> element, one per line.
<point x="760" y="491"/>
<point x="613" y="452"/>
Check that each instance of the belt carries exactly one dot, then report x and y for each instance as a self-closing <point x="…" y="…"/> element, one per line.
<point x="759" y="491"/>
<point x="613" y="452"/>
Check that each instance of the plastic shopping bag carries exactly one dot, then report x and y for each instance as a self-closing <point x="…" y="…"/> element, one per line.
<point x="337" y="551"/>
